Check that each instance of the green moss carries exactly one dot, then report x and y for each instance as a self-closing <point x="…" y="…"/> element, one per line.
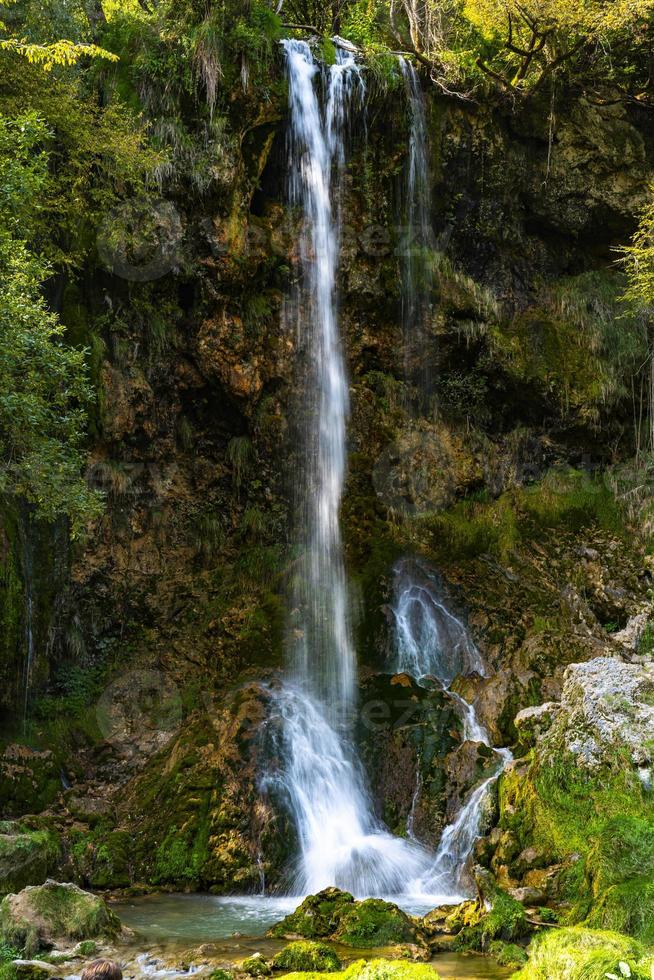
<point x="584" y="954"/>
<point x="307" y="955"/>
<point x="334" y="913"/>
<point x="506" y="921"/>
<point x="26" y="857"/>
<point x="256" y="966"/>
<point x="57" y="910"/>
<point x="507" y="954"/>
<point x="378" y="969"/>
<point x="87" y="948"/>
<point x="317" y="917"/>
<point x="576" y="344"/>
<point x="599" y="826"/>
<point x="374" y="922"/>
<point x="101" y="858"/>
<point x="565" y="499"/>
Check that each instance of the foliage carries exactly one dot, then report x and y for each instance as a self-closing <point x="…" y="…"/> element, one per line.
<point x="59" y="53"/>
<point x="578" y="343"/>
<point x="585" y="954"/>
<point x="43" y="394"/>
<point x="565" y="498"/>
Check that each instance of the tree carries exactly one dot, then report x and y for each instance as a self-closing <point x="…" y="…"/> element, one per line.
<point x="47" y="55"/>
<point x="43" y="382"/>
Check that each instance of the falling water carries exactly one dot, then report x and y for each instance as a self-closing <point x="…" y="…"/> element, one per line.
<point x="433" y="643"/>
<point x="418" y="237"/>
<point x="324" y="657"/>
<point x="341" y="842"/>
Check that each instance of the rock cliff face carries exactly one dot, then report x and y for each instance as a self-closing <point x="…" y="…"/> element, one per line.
<point x="149" y="696"/>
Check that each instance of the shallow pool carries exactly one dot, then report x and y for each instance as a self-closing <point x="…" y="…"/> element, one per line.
<point x="235" y="927"/>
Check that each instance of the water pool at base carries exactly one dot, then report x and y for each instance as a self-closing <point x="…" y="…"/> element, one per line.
<point x="235" y="927"/>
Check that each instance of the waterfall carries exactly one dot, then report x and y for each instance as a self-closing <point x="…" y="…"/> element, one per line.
<point x="315" y="768"/>
<point x="431" y="642"/>
<point x="417" y="271"/>
<point x="324" y="656"/>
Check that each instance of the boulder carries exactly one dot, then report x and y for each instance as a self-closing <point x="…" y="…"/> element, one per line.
<point x="256" y="966"/>
<point x="606" y="704"/>
<point x="336" y="915"/>
<point x="316" y="918"/>
<point x="43" y="916"/>
<point x="34" y="970"/>
<point x="307" y="955"/>
<point x="375" y="922"/>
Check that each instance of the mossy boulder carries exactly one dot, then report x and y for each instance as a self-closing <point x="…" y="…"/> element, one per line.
<point x="374" y="922"/>
<point x="43" y="916"/>
<point x="307" y="955"/>
<point x="335" y="914"/>
<point x="586" y="954"/>
<point x="508" y="954"/>
<point x="256" y="966"/>
<point x="317" y="917"/>
<point x="498" y="918"/>
<point x="26" y="856"/>
<point x="33" y="970"/>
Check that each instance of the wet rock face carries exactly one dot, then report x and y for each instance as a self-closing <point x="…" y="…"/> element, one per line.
<point x="408" y="736"/>
<point x="26" y="857"/>
<point x="29" y="780"/>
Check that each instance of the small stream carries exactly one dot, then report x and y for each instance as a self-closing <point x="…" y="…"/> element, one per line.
<point x="227" y="930"/>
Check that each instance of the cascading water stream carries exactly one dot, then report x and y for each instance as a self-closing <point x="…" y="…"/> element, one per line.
<point x="341" y="842"/>
<point x="433" y="643"/>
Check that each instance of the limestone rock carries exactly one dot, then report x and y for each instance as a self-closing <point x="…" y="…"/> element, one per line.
<point x="43" y="916"/>
<point x="34" y="970"/>
<point x="607" y="703"/>
<point x="532" y="722"/>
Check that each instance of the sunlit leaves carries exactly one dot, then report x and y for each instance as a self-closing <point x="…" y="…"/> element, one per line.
<point x="59" y="53"/>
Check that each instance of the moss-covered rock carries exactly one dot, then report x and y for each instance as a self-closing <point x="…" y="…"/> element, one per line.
<point x="29" y="780"/>
<point x="507" y="954"/>
<point x="498" y="917"/>
<point x="26" y="856"/>
<point x="585" y="954"/>
<point x="580" y="800"/>
<point x="40" y="917"/>
<point x="33" y="970"/>
<point x="256" y="966"/>
<point x="307" y="955"/>
<point x="375" y="922"/>
<point x="335" y="914"/>
<point x="318" y="916"/>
